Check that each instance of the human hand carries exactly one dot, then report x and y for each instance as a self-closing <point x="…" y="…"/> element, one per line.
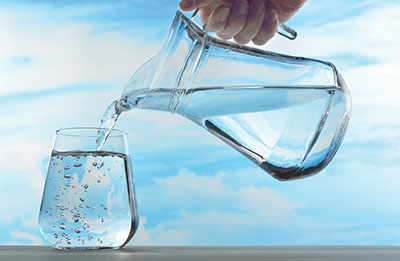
<point x="243" y="20"/>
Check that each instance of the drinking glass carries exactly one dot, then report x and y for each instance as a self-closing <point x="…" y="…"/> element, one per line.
<point x="89" y="197"/>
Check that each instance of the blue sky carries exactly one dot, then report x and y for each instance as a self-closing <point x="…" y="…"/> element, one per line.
<point x="63" y="62"/>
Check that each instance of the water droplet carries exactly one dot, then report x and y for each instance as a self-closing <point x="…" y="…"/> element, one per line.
<point x="55" y="235"/>
<point x="102" y="219"/>
<point x="67" y="176"/>
<point x="64" y="235"/>
<point x="85" y="186"/>
<point x="67" y="185"/>
<point x="62" y="226"/>
<point x="80" y="205"/>
<point x="99" y="181"/>
<point x="77" y="230"/>
<point x="81" y="199"/>
<point x="94" y="163"/>
<point x="72" y="211"/>
<point x="105" y="208"/>
<point x="51" y="208"/>
<point x="79" y="238"/>
<point x="77" y="165"/>
<point x="90" y="237"/>
<point x="76" y="219"/>
<point x="67" y="168"/>
<point x="68" y="241"/>
<point x="102" y="205"/>
<point x="101" y="241"/>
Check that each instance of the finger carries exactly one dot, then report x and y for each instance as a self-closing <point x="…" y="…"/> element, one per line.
<point x="218" y="18"/>
<point x="268" y="28"/>
<point x="254" y="21"/>
<point x="189" y="5"/>
<point x="236" y="20"/>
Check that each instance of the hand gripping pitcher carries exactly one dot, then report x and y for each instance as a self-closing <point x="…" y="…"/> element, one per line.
<point x="286" y="114"/>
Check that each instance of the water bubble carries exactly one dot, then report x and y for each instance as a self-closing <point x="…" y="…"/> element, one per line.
<point x="80" y="205"/>
<point x="101" y="241"/>
<point x="101" y="165"/>
<point x="99" y="181"/>
<point x="85" y="186"/>
<point x="102" y="219"/>
<point x="77" y="165"/>
<point x="76" y="219"/>
<point x="77" y="230"/>
<point x="78" y="238"/>
<point x="55" y="235"/>
<point x="67" y="185"/>
<point x="68" y="241"/>
<point x="63" y="234"/>
<point x="90" y="237"/>
<point x="102" y="205"/>
<point x="62" y="208"/>
<point x="67" y="175"/>
<point x="67" y="168"/>
<point x="72" y="211"/>
<point x="81" y="199"/>
<point x="94" y="163"/>
<point x="105" y="208"/>
<point x="62" y="226"/>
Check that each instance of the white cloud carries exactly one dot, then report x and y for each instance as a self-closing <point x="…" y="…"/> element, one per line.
<point x="199" y="202"/>
<point x="25" y="236"/>
<point x="62" y="55"/>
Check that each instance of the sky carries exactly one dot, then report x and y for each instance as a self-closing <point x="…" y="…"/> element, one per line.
<point x="63" y="62"/>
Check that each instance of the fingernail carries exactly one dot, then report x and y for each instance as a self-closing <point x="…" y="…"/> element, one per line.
<point x="187" y="3"/>
<point x="257" y="7"/>
<point x="241" y="7"/>
<point x="223" y="14"/>
<point x="272" y="15"/>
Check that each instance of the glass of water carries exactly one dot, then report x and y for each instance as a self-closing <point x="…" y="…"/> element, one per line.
<point x="89" y="197"/>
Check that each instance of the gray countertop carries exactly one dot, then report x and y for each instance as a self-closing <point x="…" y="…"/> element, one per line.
<point x="138" y="253"/>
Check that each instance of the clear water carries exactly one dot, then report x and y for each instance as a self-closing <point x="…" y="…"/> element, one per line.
<point x="86" y="202"/>
<point x="290" y="132"/>
<point x="107" y="123"/>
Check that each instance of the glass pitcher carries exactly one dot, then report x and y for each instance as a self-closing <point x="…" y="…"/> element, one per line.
<point x="287" y="114"/>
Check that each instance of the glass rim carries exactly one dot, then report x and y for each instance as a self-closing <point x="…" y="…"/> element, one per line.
<point x="65" y="132"/>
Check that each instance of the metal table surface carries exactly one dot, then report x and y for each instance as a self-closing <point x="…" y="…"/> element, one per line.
<point x="194" y="253"/>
